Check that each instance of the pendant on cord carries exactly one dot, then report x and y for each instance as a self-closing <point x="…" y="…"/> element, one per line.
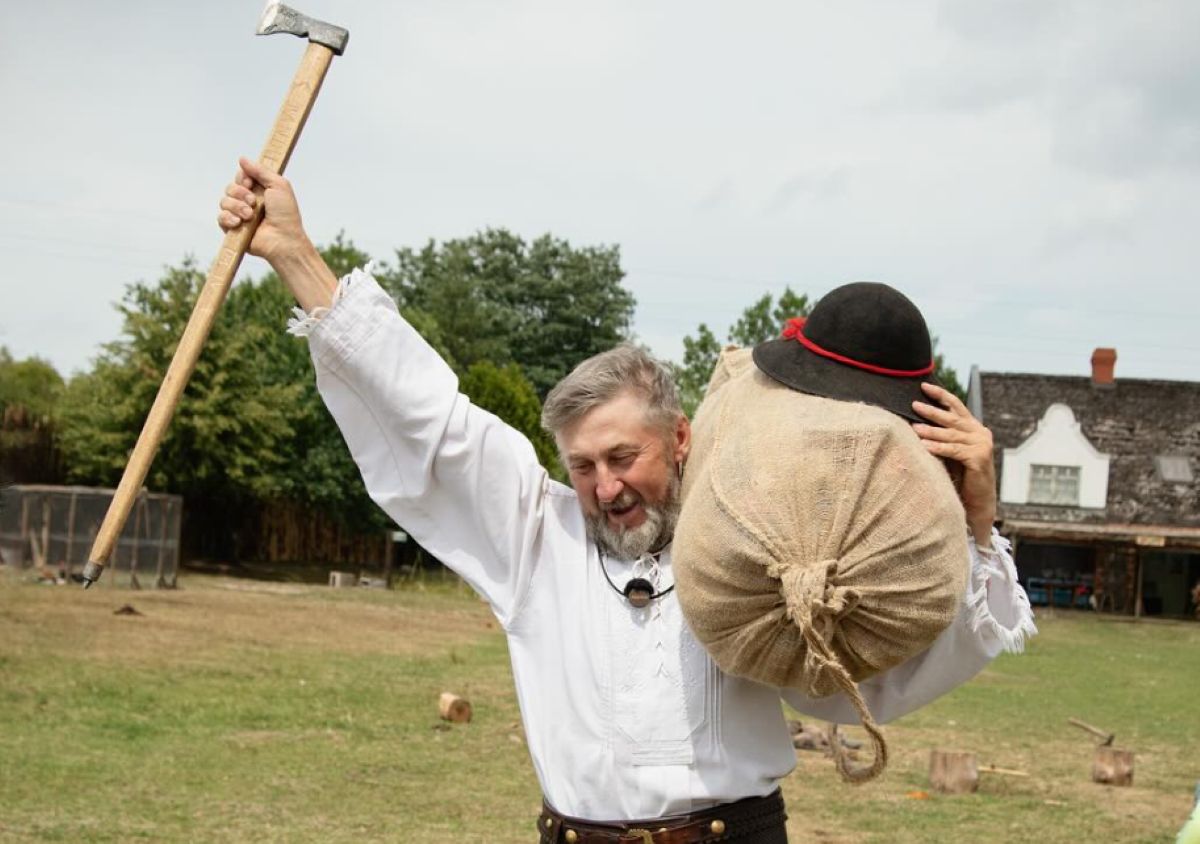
<point x="639" y="591"/>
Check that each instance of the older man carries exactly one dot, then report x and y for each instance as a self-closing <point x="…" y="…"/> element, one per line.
<point x="631" y="727"/>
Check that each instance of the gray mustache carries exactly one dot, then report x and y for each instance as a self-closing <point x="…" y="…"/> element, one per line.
<point x="622" y="501"/>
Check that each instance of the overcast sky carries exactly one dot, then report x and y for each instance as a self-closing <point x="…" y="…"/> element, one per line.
<point x="1026" y="171"/>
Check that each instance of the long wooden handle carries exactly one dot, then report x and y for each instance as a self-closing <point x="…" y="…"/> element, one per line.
<point x="296" y="106"/>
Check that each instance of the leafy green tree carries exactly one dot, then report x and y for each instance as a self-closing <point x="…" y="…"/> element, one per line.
<point x="700" y="355"/>
<point x="544" y="306"/>
<point x="506" y="392"/>
<point x="229" y="435"/>
<point x="32" y="384"/>
<point x="765" y="318"/>
<point x="760" y="321"/>
<point x="945" y="374"/>
<point x="30" y="391"/>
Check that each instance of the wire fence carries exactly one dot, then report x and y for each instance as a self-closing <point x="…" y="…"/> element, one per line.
<point x="52" y="528"/>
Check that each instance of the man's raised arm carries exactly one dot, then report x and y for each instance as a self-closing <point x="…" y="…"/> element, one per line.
<point x="466" y="486"/>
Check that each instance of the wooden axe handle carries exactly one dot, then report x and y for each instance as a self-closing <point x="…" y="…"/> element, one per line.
<point x="1107" y="738"/>
<point x="299" y="102"/>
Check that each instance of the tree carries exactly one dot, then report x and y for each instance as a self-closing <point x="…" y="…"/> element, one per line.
<point x="765" y="319"/>
<point x="250" y="431"/>
<point x="231" y="429"/>
<point x="699" y="358"/>
<point x="251" y="440"/>
<point x="32" y="383"/>
<point x="544" y="306"/>
<point x="506" y="392"/>
<point x="761" y="321"/>
<point x="944" y="374"/>
<point x="30" y="390"/>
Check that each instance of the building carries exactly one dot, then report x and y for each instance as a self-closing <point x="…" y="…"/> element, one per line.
<point x="1099" y="485"/>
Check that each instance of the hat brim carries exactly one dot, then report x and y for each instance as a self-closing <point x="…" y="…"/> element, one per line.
<point x="793" y="365"/>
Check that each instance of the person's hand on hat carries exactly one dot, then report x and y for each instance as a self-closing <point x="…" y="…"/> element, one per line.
<point x="957" y="435"/>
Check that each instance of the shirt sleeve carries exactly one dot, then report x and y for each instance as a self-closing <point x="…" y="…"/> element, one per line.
<point x="995" y="617"/>
<point x="465" y="485"/>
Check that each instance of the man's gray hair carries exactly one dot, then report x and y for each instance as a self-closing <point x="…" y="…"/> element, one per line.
<point x="603" y="377"/>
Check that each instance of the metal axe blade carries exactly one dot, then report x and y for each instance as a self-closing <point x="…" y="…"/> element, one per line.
<point x="277" y="17"/>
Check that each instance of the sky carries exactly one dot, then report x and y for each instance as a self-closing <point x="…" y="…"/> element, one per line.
<point x="1027" y="171"/>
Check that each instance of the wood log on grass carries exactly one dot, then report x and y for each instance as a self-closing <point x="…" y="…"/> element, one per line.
<point x="953" y="772"/>
<point x="453" y="708"/>
<point x="1112" y="766"/>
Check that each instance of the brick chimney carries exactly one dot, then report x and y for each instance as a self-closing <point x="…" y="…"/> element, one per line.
<point x="1103" y="362"/>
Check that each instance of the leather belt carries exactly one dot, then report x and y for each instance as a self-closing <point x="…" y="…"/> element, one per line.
<point x="725" y="822"/>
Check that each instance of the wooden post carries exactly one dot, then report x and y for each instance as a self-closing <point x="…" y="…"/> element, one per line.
<point x="1137" y="604"/>
<point x="388" y="558"/>
<point x="137" y="540"/>
<point x="952" y="772"/>
<point x="453" y="708"/>
<point x="1113" y="766"/>
<point x="165" y="516"/>
<point x="70" y="534"/>
<point x="26" y="539"/>
<point x="178" y="550"/>
<point x="46" y="512"/>
<point x="1131" y="579"/>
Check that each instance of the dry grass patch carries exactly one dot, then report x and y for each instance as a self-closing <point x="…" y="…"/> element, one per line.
<point x="210" y="617"/>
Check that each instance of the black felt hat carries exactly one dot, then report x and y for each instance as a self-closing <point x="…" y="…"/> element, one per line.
<point x="862" y="342"/>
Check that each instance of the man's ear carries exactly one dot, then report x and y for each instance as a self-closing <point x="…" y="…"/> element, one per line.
<point x="683" y="438"/>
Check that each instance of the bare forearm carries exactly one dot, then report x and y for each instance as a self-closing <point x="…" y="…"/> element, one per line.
<point x="306" y="275"/>
<point x="981" y="529"/>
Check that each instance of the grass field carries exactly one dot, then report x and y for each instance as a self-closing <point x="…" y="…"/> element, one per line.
<point x="235" y="710"/>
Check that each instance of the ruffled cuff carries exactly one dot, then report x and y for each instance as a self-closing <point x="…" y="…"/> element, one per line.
<point x="997" y="604"/>
<point x="303" y="322"/>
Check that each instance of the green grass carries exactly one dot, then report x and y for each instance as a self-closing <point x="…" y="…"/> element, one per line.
<point x="242" y="711"/>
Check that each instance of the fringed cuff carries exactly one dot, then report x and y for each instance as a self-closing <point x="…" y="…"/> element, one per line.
<point x="992" y="569"/>
<point x="303" y="322"/>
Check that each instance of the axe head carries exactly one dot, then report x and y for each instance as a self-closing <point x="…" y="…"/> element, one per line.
<point x="277" y="17"/>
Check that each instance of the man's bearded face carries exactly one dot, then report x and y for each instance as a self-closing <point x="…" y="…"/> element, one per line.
<point x="655" y="531"/>
<point x="623" y="469"/>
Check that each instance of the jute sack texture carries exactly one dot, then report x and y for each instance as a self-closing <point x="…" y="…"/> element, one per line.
<point x="818" y="544"/>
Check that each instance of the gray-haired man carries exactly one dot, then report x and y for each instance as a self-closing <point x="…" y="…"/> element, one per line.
<point x="630" y="725"/>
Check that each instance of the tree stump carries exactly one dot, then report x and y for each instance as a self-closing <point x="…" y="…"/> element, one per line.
<point x="952" y="772"/>
<point x="453" y="708"/>
<point x="1113" y="766"/>
<point x="340" y="579"/>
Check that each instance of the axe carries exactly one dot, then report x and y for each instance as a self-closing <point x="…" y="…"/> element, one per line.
<point x="324" y="42"/>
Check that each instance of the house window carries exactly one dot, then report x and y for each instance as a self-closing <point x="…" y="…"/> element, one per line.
<point x="1054" y="485"/>
<point x="1174" y="468"/>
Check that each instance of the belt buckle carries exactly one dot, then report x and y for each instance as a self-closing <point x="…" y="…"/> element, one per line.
<point x="645" y="834"/>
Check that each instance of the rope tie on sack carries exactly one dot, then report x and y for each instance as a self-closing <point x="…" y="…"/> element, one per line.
<point x="816" y="604"/>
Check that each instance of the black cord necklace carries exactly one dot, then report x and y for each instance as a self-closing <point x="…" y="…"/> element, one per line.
<point x="639" y="591"/>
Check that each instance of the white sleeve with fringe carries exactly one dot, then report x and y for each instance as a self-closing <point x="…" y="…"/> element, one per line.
<point x="995" y="617"/>
<point x="468" y="487"/>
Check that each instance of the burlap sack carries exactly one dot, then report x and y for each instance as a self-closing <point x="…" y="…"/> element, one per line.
<point x="818" y="544"/>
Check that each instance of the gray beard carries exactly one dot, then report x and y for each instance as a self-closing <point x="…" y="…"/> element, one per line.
<point x="651" y="535"/>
